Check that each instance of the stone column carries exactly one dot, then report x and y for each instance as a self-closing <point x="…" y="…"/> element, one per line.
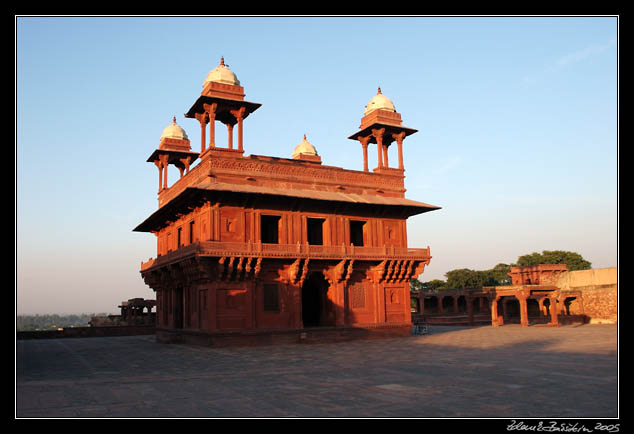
<point x="211" y="112"/>
<point x="230" y="136"/>
<point x="399" y="141"/>
<point x="202" y="119"/>
<point x="494" y="312"/>
<point x="553" y="311"/>
<point x="165" y="164"/>
<point x="378" y="135"/>
<point x="162" y="164"/>
<point x="523" y="310"/>
<point x="364" y="144"/>
<point x="159" y="165"/>
<point x="385" y="159"/>
<point x="239" y="115"/>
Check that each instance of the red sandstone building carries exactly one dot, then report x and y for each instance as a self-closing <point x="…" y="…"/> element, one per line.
<point x="258" y="248"/>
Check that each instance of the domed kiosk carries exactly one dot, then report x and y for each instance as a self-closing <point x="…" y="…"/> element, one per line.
<point x="306" y="151"/>
<point x="222" y="99"/>
<point x="382" y="125"/>
<point x="174" y="148"/>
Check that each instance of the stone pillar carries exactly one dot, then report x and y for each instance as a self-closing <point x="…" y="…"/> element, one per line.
<point x="230" y="136"/>
<point x="211" y="112"/>
<point x="165" y="164"/>
<point x="185" y="168"/>
<point x="553" y="311"/>
<point x="494" y="312"/>
<point x="162" y="164"/>
<point x="378" y="135"/>
<point x="399" y="141"/>
<point x="159" y="165"/>
<point x="202" y="120"/>
<point x="523" y="310"/>
<point x="239" y="115"/>
<point x="364" y="144"/>
<point x="470" y="309"/>
<point x="385" y="159"/>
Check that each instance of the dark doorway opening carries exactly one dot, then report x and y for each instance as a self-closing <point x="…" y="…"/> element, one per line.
<point x="314" y="301"/>
<point x="269" y="229"/>
<point x="356" y="232"/>
<point x="315" y="231"/>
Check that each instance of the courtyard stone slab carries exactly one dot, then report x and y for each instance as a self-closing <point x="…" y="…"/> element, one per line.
<point x="451" y="372"/>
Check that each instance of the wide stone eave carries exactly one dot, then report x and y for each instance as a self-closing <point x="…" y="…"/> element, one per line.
<point x="195" y="194"/>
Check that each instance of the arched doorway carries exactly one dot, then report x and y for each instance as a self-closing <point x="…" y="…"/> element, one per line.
<point x="315" y="306"/>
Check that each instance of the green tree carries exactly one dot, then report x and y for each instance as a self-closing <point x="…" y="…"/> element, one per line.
<point x="429" y="286"/>
<point x="415" y="285"/>
<point x="501" y="274"/>
<point x="572" y="260"/>
<point x="434" y="285"/>
<point x="466" y="278"/>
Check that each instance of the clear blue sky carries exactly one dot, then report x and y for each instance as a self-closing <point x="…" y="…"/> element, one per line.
<point x="517" y="141"/>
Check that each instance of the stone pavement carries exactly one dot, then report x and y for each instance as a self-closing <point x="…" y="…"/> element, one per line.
<point x="452" y="372"/>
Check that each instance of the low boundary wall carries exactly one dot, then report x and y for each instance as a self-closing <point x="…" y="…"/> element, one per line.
<point x="87" y="332"/>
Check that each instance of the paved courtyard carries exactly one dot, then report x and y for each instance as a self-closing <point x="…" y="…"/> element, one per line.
<point x="452" y="372"/>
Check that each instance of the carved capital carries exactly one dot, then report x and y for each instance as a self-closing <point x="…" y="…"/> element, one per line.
<point x="399" y="137"/>
<point x="378" y="134"/>
<point x="238" y="113"/>
<point x="210" y="109"/>
<point x="364" y="140"/>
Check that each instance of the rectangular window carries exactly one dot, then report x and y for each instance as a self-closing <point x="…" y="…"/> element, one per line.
<point x="178" y="237"/>
<point x="271" y="297"/>
<point x="269" y="229"/>
<point x="356" y="232"/>
<point x="191" y="231"/>
<point x="315" y="231"/>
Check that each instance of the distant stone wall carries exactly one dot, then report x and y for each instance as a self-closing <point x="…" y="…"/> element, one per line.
<point x="600" y="305"/>
<point x="87" y="332"/>
<point x="595" y="278"/>
<point x="599" y="288"/>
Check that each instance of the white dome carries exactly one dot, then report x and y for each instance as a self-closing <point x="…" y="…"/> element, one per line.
<point x="304" y="148"/>
<point x="174" y="131"/>
<point x="379" y="101"/>
<point x="222" y="74"/>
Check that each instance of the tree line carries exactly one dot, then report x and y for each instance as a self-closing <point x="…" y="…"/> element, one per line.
<point x="52" y="321"/>
<point x="498" y="275"/>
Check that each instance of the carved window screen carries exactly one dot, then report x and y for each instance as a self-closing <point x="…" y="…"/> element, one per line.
<point x="356" y="294"/>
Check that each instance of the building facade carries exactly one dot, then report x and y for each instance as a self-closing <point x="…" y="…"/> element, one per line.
<point x="259" y="248"/>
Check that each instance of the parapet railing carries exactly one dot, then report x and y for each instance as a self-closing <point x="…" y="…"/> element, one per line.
<point x="264" y="250"/>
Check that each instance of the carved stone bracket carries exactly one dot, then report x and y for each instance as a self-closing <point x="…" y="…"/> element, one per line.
<point x="343" y="270"/>
<point x="238" y="268"/>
